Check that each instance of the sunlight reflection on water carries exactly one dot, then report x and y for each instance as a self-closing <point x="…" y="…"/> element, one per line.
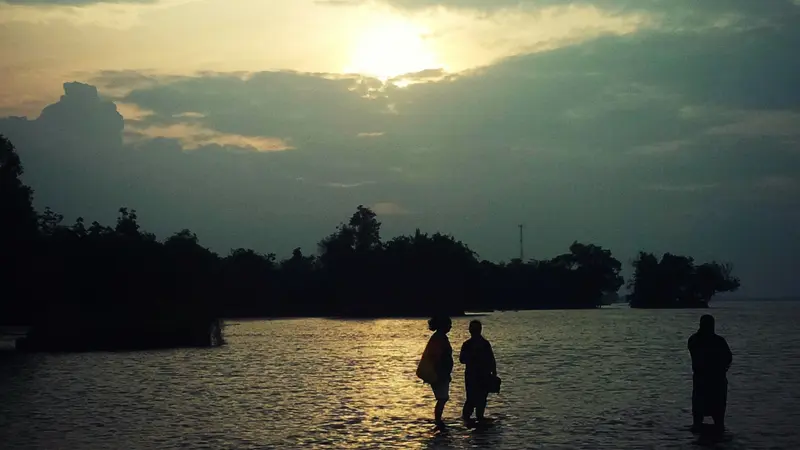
<point x="613" y="379"/>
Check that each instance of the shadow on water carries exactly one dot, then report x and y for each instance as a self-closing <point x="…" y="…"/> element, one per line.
<point x="440" y="439"/>
<point x="710" y="438"/>
<point x="486" y="436"/>
<point x="457" y="435"/>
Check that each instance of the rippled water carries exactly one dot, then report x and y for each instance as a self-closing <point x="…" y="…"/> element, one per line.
<point x="612" y="378"/>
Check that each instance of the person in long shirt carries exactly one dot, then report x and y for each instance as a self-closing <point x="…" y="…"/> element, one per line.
<point x="436" y="365"/>
<point x="711" y="359"/>
<point x="481" y="367"/>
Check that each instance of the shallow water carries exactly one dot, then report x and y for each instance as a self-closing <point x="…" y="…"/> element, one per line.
<point x="613" y="378"/>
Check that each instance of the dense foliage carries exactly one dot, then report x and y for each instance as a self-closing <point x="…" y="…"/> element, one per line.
<point x="52" y="269"/>
<point x="677" y="282"/>
<point x="17" y="233"/>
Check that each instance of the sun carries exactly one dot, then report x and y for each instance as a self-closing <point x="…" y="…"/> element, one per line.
<point x="391" y="49"/>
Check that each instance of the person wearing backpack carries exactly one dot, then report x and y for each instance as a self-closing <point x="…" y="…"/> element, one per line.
<point x="436" y="365"/>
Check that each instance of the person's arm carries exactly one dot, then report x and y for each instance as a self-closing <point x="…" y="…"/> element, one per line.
<point x="448" y="358"/>
<point x="462" y="356"/>
<point x="492" y="361"/>
<point x="728" y="355"/>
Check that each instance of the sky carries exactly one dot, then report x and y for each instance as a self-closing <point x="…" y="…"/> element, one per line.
<point x="655" y="125"/>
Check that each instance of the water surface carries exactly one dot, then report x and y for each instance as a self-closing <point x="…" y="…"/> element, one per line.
<point x="612" y="378"/>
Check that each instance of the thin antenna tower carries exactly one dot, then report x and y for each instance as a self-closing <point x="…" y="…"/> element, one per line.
<point x="521" y="245"/>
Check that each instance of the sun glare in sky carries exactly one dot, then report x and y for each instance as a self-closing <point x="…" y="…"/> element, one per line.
<point x="390" y="49"/>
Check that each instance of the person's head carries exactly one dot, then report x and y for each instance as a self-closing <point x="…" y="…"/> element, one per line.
<point x="440" y="323"/>
<point x="707" y="323"/>
<point x="475" y="327"/>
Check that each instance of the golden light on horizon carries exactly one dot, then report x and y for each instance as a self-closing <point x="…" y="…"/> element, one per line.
<point x="390" y="49"/>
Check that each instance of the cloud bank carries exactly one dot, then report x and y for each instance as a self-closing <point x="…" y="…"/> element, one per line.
<point x="661" y="140"/>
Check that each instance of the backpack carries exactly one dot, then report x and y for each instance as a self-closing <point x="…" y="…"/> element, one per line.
<point x="494" y="384"/>
<point x="426" y="369"/>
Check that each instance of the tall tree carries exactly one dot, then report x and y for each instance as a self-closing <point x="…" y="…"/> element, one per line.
<point x="18" y="222"/>
<point x="18" y="227"/>
<point x="366" y="229"/>
<point x="587" y="274"/>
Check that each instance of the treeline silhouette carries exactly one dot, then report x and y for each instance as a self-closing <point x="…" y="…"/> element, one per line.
<point x="61" y="274"/>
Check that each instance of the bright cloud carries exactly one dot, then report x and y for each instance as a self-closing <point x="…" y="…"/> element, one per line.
<point x="193" y="136"/>
<point x="131" y="111"/>
<point x="389" y="209"/>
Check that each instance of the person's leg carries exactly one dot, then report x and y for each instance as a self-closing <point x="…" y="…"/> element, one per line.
<point x="697" y="407"/>
<point x="720" y="407"/>
<point x="719" y="421"/>
<point x="466" y="411"/>
<point x="469" y="405"/>
<point x="480" y="405"/>
<point x="442" y="393"/>
<point x="438" y="410"/>
<point x="697" y="423"/>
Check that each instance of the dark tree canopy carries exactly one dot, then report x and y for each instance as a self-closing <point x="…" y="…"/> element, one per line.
<point x="18" y="229"/>
<point x="16" y="208"/>
<point x="125" y="272"/>
<point x="677" y="282"/>
<point x="581" y="278"/>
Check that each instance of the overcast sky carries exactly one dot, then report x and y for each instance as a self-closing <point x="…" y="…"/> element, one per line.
<point x="658" y="125"/>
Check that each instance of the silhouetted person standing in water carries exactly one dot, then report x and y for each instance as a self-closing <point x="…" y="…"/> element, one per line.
<point x="436" y="364"/>
<point x="481" y="367"/>
<point x="711" y="358"/>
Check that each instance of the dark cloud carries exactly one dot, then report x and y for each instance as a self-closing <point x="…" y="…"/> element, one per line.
<point x="673" y="15"/>
<point x="683" y="142"/>
<point x="772" y="8"/>
<point x="77" y="163"/>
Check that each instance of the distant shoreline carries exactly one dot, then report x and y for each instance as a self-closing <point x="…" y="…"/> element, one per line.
<point x="14" y="331"/>
<point x="398" y="316"/>
<point x="758" y="299"/>
<point x="336" y="317"/>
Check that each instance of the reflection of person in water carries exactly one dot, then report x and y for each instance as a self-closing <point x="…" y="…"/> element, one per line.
<point x="711" y="358"/>
<point x="436" y="364"/>
<point x="477" y="355"/>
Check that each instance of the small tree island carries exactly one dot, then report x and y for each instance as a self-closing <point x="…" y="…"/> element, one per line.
<point x="677" y="282"/>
